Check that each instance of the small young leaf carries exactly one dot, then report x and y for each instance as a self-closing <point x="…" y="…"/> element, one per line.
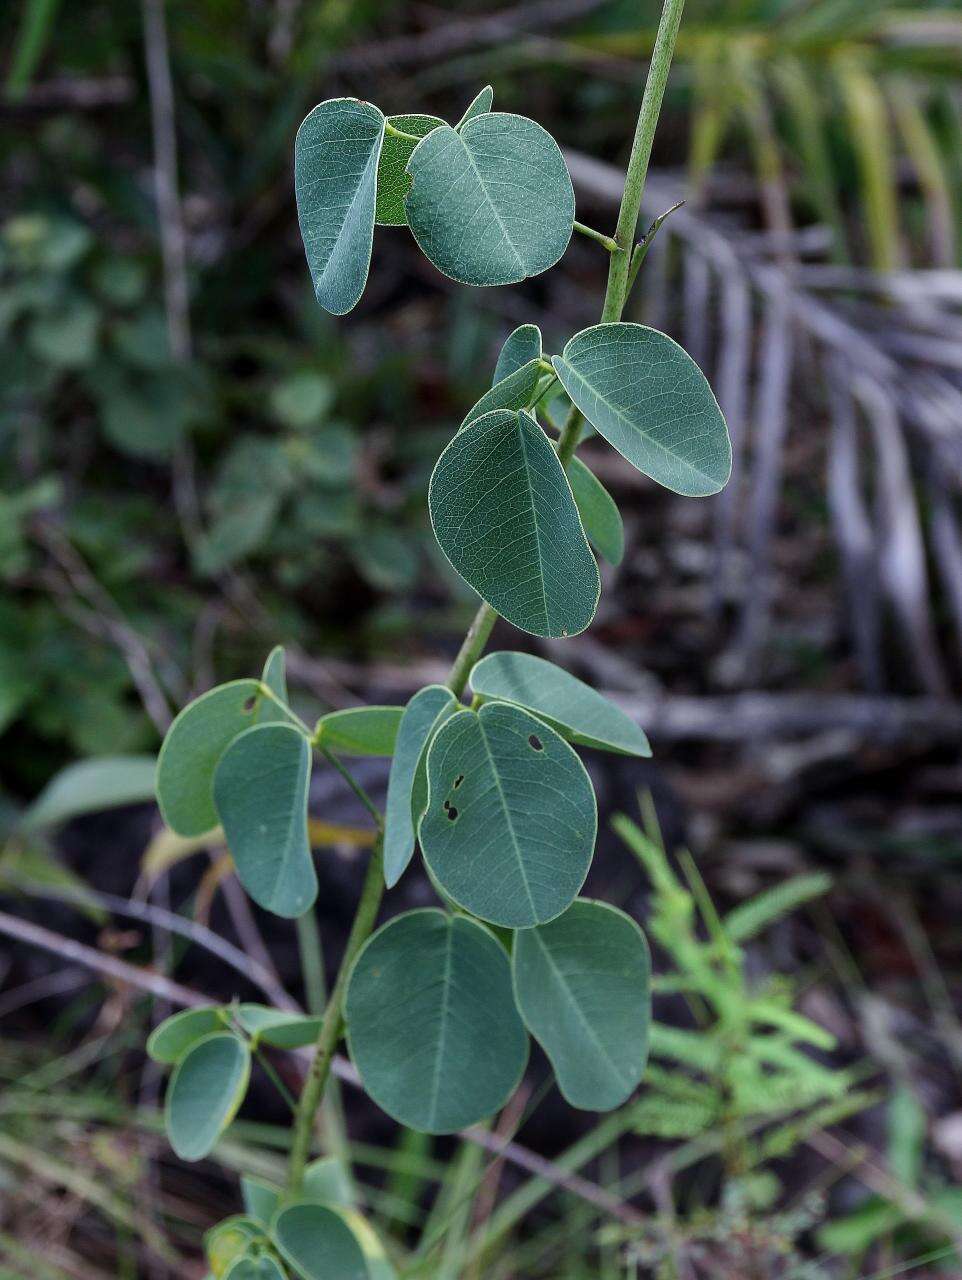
<point x="516" y="390"/>
<point x="251" y="1267"/>
<point x="277" y="1027"/>
<point x="577" y="711"/>
<point x="229" y="1241"/>
<point x="274" y="673"/>
<point x="422" y="715"/>
<point x="649" y="399"/>
<point x="260" y="790"/>
<point x="393" y="183"/>
<point x="491" y="202"/>
<point x="318" y="1243"/>
<point x="521" y="345"/>
<point x="478" y="106"/>
<point x="327" y="1181"/>
<point x="431" y="1021"/>
<point x="195" y="742"/>
<point x="360" y="731"/>
<point x="599" y="512"/>
<point x="504" y="516"/>
<point x="205" y="1092"/>
<point x="336" y="155"/>
<point x="511" y="819"/>
<point x="260" y="1199"/>
<point x="582" y="984"/>
<point x="169" y="1041"/>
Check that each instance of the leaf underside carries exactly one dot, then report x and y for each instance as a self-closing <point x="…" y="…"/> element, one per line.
<point x="336" y="155"/>
<point x="520" y="346"/>
<point x="492" y="202"/>
<point x="582" y="984"/>
<point x="599" y="512"/>
<point x="510" y="826"/>
<point x="431" y="1021"/>
<point x="504" y="516"/>
<point x="648" y="398"/>
<point x="204" y="1093"/>
<point x="393" y="183"/>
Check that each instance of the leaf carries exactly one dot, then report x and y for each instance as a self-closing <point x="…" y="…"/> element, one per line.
<point x="260" y="1199"/>
<point x="477" y="106"/>
<point x="425" y="711"/>
<point x="515" y="391"/>
<point x="328" y="1181"/>
<point x="229" y="1241"/>
<point x="511" y="819"/>
<point x="582" y="984"/>
<point x="649" y="399"/>
<point x="169" y="1041"/>
<point x="393" y="183"/>
<point x="260" y="792"/>
<point x="91" y="786"/>
<point x="431" y="1021"/>
<point x="750" y="918"/>
<point x="360" y="731"/>
<point x="577" y="711"/>
<point x="274" y="675"/>
<point x="282" y="1029"/>
<point x="195" y="742"/>
<point x="318" y="1243"/>
<point x="336" y="155"/>
<point x="259" y="1267"/>
<point x="520" y="346"/>
<point x="492" y="201"/>
<point x="205" y="1092"/>
<point x="504" y="516"/>
<point x="599" y="512"/>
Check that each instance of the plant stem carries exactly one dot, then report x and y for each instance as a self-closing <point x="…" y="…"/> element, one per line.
<point x="471" y="648"/>
<point x="592" y="234"/>
<point x="331" y="1027"/>
<point x="661" y="55"/>
<point x="355" y="786"/>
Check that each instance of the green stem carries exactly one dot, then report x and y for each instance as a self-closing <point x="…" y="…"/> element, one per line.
<point x="353" y="783"/>
<point x="471" y="648"/>
<point x="661" y="56"/>
<point x="592" y="234"/>
<point x="333" y="1023"/>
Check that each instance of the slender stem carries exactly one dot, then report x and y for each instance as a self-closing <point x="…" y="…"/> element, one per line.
<point x="637" y="172"/>
<point x="592" y="234"/>
<point x="332" y="1025"/>
<point x="353" y="783"/>
<point x="471" y="648"/>
<point x="271" y="1073"/>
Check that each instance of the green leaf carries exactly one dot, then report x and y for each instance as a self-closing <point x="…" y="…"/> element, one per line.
<point x="205" y="1092"/>
<point x="336" y="155"/>
<point x="422" y="715"/>
<point x="301" y="400"/>
<point x="66" y="338"/>
<point x="520" y="346"/>
<point x="275" y="1026"/>
<point x="260" y="792"/>
<point x="259" y="1267"/>
<point x="504" y="516"/>
<point x="491" y="202"/>
<point x="274" y="675"/>
<point x="477" y="106"/>
<point x="169" y="1041"/>
<point x="318" y="1243"/>
<point x="91" y="786"/>
<point x="599" y="512"/>
<point x="195" y="742"/>
<point x="229" y="1241"/>
<point x="515" y="391"/>
<point x="649" y="399"/>
<point x="260" y="1199"/>
<point x="582" y="984"/>
<point x="393" y="183"/>
<point x="511" y="819"/>
<point x="577" y="711"/>
<point x="431" y="1021"/>
<point x="360" y="731"/>
<point x="327" y="1181"/>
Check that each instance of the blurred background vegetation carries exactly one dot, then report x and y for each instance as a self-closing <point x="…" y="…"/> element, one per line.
<point x="197" y="463"/>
